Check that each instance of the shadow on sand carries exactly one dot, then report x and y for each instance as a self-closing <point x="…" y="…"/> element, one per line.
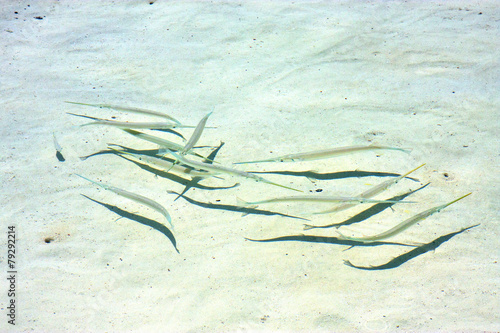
<point x="399" y="260"/>
<point x="141" y="219"/>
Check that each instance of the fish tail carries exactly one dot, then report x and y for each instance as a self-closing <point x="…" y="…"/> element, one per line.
<point x="243" y="203"/>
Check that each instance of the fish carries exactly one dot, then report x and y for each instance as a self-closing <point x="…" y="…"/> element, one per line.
<point x="402" y="226"/>
<point x="369" y="193"/>
<point x="140" y="219"/>
<point x="134" y="197"/>
<point x="58" y="148"/>
<point x="131" y="125"/>
<point x="129" y="109"/>
<point x="196" y="135"/>
<point x="159" y="141"/>
<point x="365" y="214"/>
<point x="164" y="164"/>
<point x="304" y="198"/>
<point x="322" y="154"/>
<point x="221" y="169"/>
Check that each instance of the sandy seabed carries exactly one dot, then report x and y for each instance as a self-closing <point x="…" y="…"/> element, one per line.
<point x="281" y="77"/>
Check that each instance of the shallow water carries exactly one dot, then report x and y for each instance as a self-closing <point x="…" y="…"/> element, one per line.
<point x="281" y="78"/>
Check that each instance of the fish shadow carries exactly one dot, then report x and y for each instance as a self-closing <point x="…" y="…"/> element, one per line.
<point x="171" y="131"/>
<point x="141" y="219"/>
<point x="399" y="260"/>
<point x="60" y="157"/>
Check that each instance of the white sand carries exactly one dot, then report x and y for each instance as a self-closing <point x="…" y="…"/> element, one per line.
<point x="282" y="77"/>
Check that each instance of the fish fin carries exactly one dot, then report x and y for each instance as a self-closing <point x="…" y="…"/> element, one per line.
<point x="406" y="150"/>
<point x="342" y="236"/>
<point x="348" y="263"/>
<point x="312" y="180"/>
<point x="242" y="203"/>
